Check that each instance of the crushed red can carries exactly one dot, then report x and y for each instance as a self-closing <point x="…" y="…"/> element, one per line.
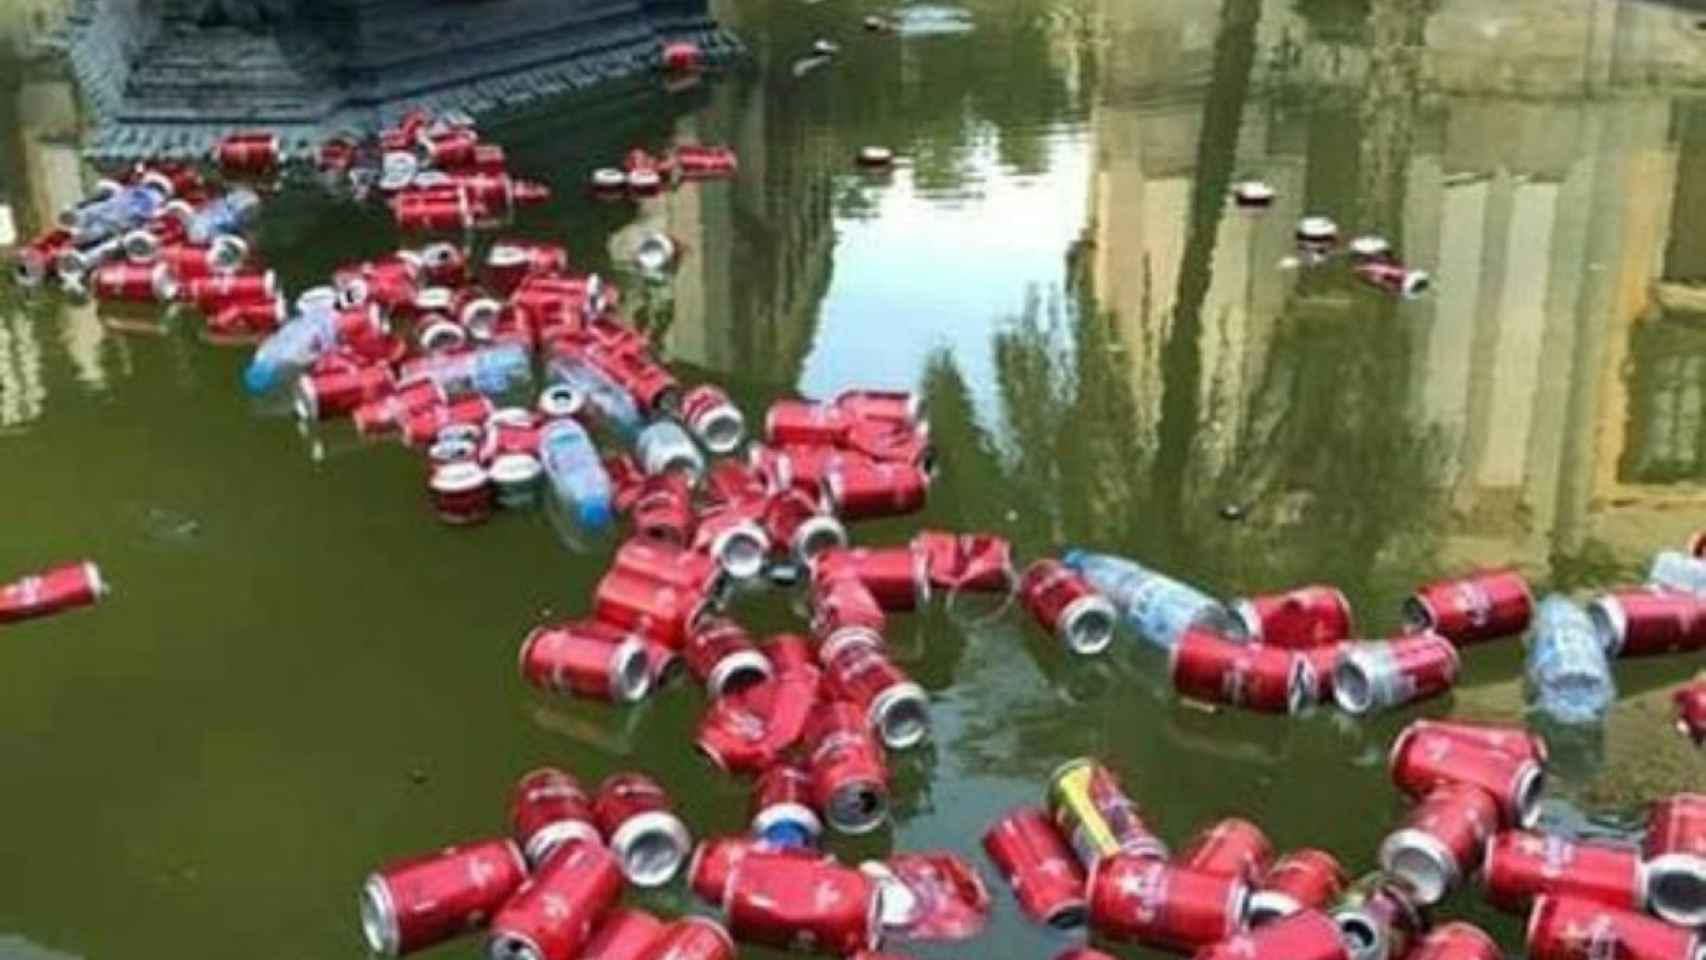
<point x="1675" y="853"/>
<point x="715" y="859"/>
<point x="1457" y="941"/>
<point x="1520" y="865"/>
<point x="640" y="824"/>
<point x="547" y="809"/>
<point x="844" y="613"/>
<point x="1564" y="928"/>
<point x="1205" y="665"/>
<point x="1419" y="764"/>
<point x="796" y="522"/>
<point x="805" y="423"/>
<point x="979" y="563"/>
<point x="1376" y="919"/>
<point x="1039" y="867"/>
<point x="424" y="901"/>
<point x="1441" y="841"/>
<point x="931" y="895"/>
<point x="793" y="902"/>
<point x="1300" y="618"/>
<point x="51" y="591"/>
<point x="1370" y="677"/>
<point x="1233" y="846"/>
<point x="1164" y="905"/>
<point x="1304" y="935"/>
<point x="387" y="413"/>
<point x="662" y="508"/>
<point x="623" y="934"/>
<point x="1305" y="879"/>
<point x="586" y="658"/>
<point x="423" y="426"/>
<point x="1065" y="605"/>
<point x="553" y="914"/>
<point x="1480" y="606"/>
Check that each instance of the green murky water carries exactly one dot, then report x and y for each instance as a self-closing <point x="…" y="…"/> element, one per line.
<point x="302" y="675"/>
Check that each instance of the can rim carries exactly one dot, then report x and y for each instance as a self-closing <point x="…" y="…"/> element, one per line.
<point x="1431" y="853"/>
<point x="651" y="865"/>
<point x="725" y="671"/>
<point x="912" y="726"/>
<point x="556" y="834"/>
<point x="1269" y="905"/>
<point x="1688" y="867"/>
<point x="1088" y="624"/>
<point x="631" y="671"/>
<point x="1610" y="623"/>
<point x="379" y="917"/>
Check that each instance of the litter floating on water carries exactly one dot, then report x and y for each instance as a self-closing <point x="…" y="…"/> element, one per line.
<point x="1253" y="194"/>
<point x="52" y="591"/>
<point x="875" y="158"/>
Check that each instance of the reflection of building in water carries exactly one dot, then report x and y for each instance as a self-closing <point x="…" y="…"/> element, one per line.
<point x="1545" y="213"/>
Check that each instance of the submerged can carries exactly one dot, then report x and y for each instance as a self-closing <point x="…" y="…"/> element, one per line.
<point x="424" y="901"/>
<point x="1379" y="676"/>
<point x="51" y="591"/>
<point x="1096" y="816"/>
<point x="1419" y="764"/>
<point x="547" y="809"/>
<point x="1563" y="928"/>
<point x="1306" y="879"/>
<point x="638" y="820"/>
<point x="1300" y="618"/>
<point x="1441" y="842"/>
<point x="1065" y="605"/>
<point x="552" y="915"/>
<point x="1480" y="606"/>
<point x="1520" y="865"/>
<point x="1164" y="905"/>
<point x="1039" y="867"/>
<point x="461" y="492"/>
<point x="1675" y="854"/>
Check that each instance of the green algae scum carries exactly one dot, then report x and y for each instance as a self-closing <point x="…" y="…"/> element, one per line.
<point x="300" y="674"/>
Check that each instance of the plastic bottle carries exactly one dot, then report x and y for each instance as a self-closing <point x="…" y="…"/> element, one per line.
<point x="493" y="371"/>
<point x="1158" y="607"/>
<point x="1568" y="676"/>
<point x="292" y="347"/>
<point x="1676" y="570"/>
<point x="127" y="208"/>
<point x="226" y="215"/>
<point x="578" y="479"/>
<point x="615" y="406"/>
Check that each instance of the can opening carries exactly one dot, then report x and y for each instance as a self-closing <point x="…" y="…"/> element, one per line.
<point x="1420" y="870"/>
<point x="742" y="553"/>
<point x="653" y="857"/>
<point x="903" y="716"/>
<point x="1530" y="784"/>
<point x="858" y="808"/>
<point x="1416" y="614"/>
<point x="1353" y="688"/>
<point x="1608" y="623"/>
<point x="1267" y="906"/>
<point x="1070" y="917"/>
<point x="1362" y="935"/>
<point x="633" y="678"/>
<point x="722" y="430"/>
<point x="510" y="946"/>
<point x="1676" y="889"/>
<point x="378" y="920"/>
<point x="818" y="534"/>
<point x="1087" y="626"/>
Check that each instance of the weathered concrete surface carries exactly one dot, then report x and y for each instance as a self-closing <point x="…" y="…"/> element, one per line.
<point x="169" y="77"/>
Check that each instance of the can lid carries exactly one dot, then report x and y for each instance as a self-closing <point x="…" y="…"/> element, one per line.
<point x="721" y="428"/>
<point x="1087" y="624"/>
<point x="630" y="672"/>
<point x="816" y="534"/>
<point x="1610" y="623"/>
<point x="515" y="469"/>
<point x="458" y="476"/>
<point x="652" y="846"/>
<point x="379" y="917"/>
<point x="901" y="715"/>
<point x="741" y="550"/>
<point x="1356" y="683"/>
<point x="738" y="670"/>
<point x="1422" y="864"/>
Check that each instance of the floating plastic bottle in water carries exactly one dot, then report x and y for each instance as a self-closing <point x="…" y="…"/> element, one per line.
<point x="578" y="479"/>
<point x="1158" y="607"/>
<point x="616" y="407"/>
<point x="227" y="215"/>
<point x="1569" y="678"/>
<point x="128" y="207"/>
<point x="292" y="347"/>
<point x="493" y="371"/>
<point x="1679" y="571"/>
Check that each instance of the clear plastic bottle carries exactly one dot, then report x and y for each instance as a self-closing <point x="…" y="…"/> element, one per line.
<point x="1568" y="676"/>
<point x="616" y="407"/>
<point x="125" y="209"/>
<point x="227" y="215"/>
<point x="1158" y="607"/>
<point x="578" y="479"/>
<point x="292" y="347"/>
<point x="494" y="371"/>
<point x="1676" y="570"/>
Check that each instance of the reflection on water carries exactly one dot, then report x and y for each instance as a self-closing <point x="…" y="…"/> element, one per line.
<point x="1109" y="352"/>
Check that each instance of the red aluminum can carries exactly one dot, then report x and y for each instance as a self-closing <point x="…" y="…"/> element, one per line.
<point x="1691" y="711"/>
<point x="1207" y="666"/>
<point x="898" y="407"/>
<point x="134" y="283"/>
<point x="1065" y="605"/>
<point x="333" y="393"/>
<point x="1379" y="676"/>
<point x="511" y="430"/>
<point x="685" y="569"/>
<point x="715" y="859"/>
<point x="795" y="521"/>
<point x="246" y="321"/>
<point x="734" y="483"/>
<point x="691" y="938"/>
<point x="801" y="903"/>
<point x="662" y="509"/>
<point x="623" y="934"/>
<point x="845" y="613"/>
<point x="1519" y="742"/>
<point x="849" y="773"/>
<point x="1164" y="905"/>
<point x="696" y="162"/>
<point x="34" y="263"/>
<point x="248" y="154"/>
<point x="1039" y="867"/>
<point x="387" y="413"/>
<point x="805" y="423"/>
<point x="433" y="213"/>
<point x="640" y="822"/>
<point x="1647" y="621"/>
<point x="1675" y="852"/>
<point x="1419" y="764"/>
<point x="1298" y="619"/>
<point x="783" y="794"/>
<point x="656" y="609"/>
<point x="553" y="915"/>
<point x="1304" y="935"/>
<point x="1441" y="841"/>
<point x="423" y="901"/>
<point x="1234" y="847"/>
<point x="789" y="652"/>
<point x="863" y="490"/>
<point x="1520" y="866"/>
<point x="51" y="591"/>
<point x="586" y="659"/>
<point x="734" y="731"/>
<point x="887" y="443"/>
<point x="1376" y="919"/>
<point x="681" y="57"/>
<point x="795" y="697"/>
<point x="1485" y="605"/>
<point x="422" y="427"/>
<point x="547" y="809"/>
<point x="896" y="708"/>
<point x="1096" y="816"/>
<point x="1563" y="928"/>
<point x="210" y="294"/>
<point x="510" y="262"/>
<point x="724" y="656"/>
<point x="713" y="418"/>
<point x="977" y="562"/>
<point x="895" y="576"/>
<point x="1306" y="879"/>
<point x="461" y="492"/>
<point x="443" y="265"/>
<point x="189" y="261"/>
<point x="1456" y="941"/>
